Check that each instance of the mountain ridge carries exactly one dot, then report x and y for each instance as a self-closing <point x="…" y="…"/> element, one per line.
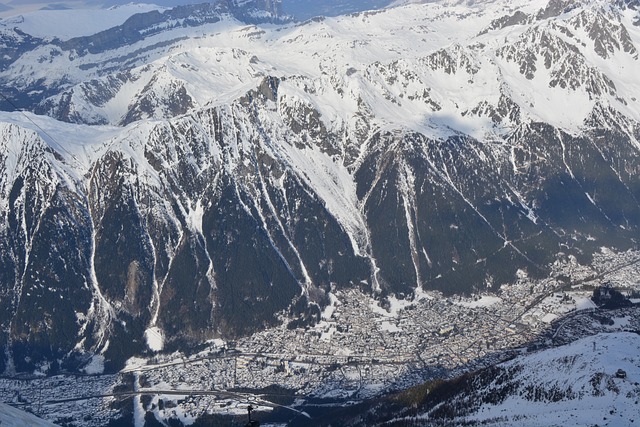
<point x="315" y="157"/>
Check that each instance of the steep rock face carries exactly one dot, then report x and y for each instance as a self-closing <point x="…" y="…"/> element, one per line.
<point x="13" y="43"/>
<point x="434" y="207"/>
<point x="196" y="226"/>
<point x="235" y="186"/>
<point x="46" y="254"/>
<point x="159" y="100"/>
<point x="44" y="325"/>
<point x="566" y="65"/>
<point x="607" y="35"/>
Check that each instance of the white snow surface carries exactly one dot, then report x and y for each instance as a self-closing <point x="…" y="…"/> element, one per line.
<point x="390" y="327"/>
<point x="155" y="338"/>
<point x="79" y="145"/>
<point x="396" y="305"/>
<point x="584" y="303"/>
<point x="69" y="23"/>
<point x="95" y="365"/>
<point x="580" y="365"/>
<point x="13" y="417"/>
<point x="363" y="63"/>
<point x="482" y="301"/>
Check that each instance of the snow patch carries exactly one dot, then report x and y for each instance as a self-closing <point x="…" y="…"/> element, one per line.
<point x="154" y="338"/>
<point x="483" y="301"/>
<point x="395" y="306"/>
<point x="336" y="187"/>
<point x="584" y="303"/>
<point x="194" y="218"/>
<point x="328" y="311"/>
<point x="95" y="365"/>
<point x="389" y="327"/>
<point x="619" y="323"/>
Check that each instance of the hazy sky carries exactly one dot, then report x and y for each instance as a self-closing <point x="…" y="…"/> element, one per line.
<point x="15" y="7"/>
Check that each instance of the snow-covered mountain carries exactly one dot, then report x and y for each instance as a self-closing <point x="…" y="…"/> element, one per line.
<point x="307" y="9"/>
<point x="592" y="381"/>
<point x="210" y="170"/>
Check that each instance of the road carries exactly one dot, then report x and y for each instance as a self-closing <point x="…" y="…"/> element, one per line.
<point x="244" y="397"/>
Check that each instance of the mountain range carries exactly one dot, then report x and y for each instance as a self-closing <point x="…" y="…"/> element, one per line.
<point x="212" y="170"/>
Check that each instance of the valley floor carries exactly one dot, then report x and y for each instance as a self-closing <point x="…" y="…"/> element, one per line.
<point x="359" y="351"/>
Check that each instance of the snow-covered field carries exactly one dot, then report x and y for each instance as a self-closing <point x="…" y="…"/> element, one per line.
<point x="12" y="417"/>
<point x="584" y="374"/>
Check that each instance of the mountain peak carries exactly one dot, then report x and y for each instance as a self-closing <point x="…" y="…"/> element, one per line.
<point x="253" y="167"/>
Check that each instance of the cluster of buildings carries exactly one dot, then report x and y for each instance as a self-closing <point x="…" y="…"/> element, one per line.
<point x="362" y="348"/>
